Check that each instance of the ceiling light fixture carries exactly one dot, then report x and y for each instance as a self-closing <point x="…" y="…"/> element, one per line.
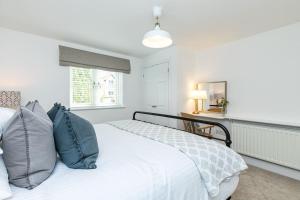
<point x="157" y="38"/>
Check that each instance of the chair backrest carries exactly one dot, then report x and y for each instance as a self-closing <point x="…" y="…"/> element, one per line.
<point x="188" y="125"/>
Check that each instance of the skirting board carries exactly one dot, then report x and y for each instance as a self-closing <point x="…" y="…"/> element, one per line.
<point x="284" y="171"/>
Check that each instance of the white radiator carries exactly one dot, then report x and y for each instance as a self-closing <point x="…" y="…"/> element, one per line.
<point x="274" y="144"/>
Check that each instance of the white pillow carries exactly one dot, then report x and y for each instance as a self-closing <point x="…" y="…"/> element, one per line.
<point x="5" y="191"/>
<point x="5" y="115"/>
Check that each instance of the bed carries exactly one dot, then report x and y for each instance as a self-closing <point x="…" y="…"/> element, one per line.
<point x="130" y="167"/>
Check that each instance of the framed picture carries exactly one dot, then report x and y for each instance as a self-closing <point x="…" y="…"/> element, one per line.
<point x="216" y="96"/>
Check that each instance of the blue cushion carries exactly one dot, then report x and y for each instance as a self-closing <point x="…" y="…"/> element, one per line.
<point x="53" y="111"/>
<point x="75" y="140"/>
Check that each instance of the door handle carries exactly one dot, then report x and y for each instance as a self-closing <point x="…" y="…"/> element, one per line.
<point x="154" y="106"/>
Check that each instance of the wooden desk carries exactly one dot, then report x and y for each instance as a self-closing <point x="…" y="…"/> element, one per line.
<point x="203" y="128"/>
<point x="207" y="115"/>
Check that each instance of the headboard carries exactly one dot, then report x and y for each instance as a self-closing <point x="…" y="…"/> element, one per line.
<point x="10" y="99"/>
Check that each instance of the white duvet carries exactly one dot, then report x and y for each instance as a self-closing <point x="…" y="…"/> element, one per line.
<point x="130" y="167"/>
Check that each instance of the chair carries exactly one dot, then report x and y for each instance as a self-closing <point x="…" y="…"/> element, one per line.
<point x="196" y="128"/>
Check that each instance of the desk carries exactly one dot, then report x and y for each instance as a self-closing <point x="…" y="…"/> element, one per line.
<point x="220" y="117"/>
<point x="215" y="117"/>
<point x="208" y="115"/>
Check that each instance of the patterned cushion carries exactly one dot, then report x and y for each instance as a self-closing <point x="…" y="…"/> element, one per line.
<point x="10" y="99"/>
<point x="28" y="145"/>
<point x="75" y="140"/>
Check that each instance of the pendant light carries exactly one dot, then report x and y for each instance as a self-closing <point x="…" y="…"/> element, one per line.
<point x="157" y="38"/>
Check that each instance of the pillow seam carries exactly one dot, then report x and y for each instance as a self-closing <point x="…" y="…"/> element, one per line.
<point x="33" y="107"/>
<point x="71" y="129"/>
<point x="27" y="150"/>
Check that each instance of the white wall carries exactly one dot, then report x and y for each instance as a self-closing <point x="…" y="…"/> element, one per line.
<point x="186" y="79"/>
<point x="29" y="63"/>
<point x="262" y="72"/>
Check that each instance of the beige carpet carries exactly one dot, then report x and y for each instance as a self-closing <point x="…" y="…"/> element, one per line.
<point x="258" y="184"/>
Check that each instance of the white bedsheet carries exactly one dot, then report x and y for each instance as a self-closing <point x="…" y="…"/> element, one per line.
<point x="130" y="167"/>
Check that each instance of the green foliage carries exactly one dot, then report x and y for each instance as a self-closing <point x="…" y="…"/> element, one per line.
<point x="82" y="82"/>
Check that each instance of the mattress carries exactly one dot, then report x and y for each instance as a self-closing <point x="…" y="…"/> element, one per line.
<point x="130" y="167"/>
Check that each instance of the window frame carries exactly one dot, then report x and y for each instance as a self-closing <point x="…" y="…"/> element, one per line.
<point x="93" y="105"/>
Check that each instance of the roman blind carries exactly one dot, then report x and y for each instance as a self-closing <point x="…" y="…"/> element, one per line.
<point x="85" y="59"/>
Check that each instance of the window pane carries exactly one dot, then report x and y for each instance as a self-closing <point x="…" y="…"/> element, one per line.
<point x="82" y="86"/>
<point x="107" y="88"/>
<point x="91" y="87"/>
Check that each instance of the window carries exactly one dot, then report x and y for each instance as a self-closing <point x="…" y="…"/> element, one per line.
<point x="95" y="88"/>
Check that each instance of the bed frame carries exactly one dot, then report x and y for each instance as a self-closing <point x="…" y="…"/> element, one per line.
<point x="227" y="134"/>
<point x="227" y="140"/>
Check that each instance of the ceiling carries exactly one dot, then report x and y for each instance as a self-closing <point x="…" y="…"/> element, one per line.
<point x="119" y="25"/>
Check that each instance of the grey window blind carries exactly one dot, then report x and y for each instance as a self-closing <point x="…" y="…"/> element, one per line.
<point x="85" y="59"/>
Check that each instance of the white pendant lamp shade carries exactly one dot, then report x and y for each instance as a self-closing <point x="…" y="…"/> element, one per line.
<point x="157" y="38"/>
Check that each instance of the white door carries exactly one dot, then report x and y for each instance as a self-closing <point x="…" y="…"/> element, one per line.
<point x="156" y="91"/>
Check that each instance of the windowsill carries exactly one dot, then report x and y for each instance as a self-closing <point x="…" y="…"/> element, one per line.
<point x="97" y="107"/>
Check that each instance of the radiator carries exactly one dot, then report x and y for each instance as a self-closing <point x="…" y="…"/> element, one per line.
<point x="274" y="144"/>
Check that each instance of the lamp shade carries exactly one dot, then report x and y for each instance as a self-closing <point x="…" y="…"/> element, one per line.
<point x="195" y="94"/>
<point x="202" y="94"/>
<point x="157" y="38"/>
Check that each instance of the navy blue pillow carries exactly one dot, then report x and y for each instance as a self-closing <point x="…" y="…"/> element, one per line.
<point x="52" y="112"/>
<point x="75" y="140"/>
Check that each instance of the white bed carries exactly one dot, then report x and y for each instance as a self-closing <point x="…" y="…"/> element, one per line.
<point x="130" y="167"/>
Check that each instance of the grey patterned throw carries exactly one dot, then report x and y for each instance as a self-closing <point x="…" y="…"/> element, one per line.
<point x="214" y="161"/>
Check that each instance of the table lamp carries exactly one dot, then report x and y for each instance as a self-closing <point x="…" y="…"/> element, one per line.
<point x="203" y="97"/>
<point x="195" y="96"/>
